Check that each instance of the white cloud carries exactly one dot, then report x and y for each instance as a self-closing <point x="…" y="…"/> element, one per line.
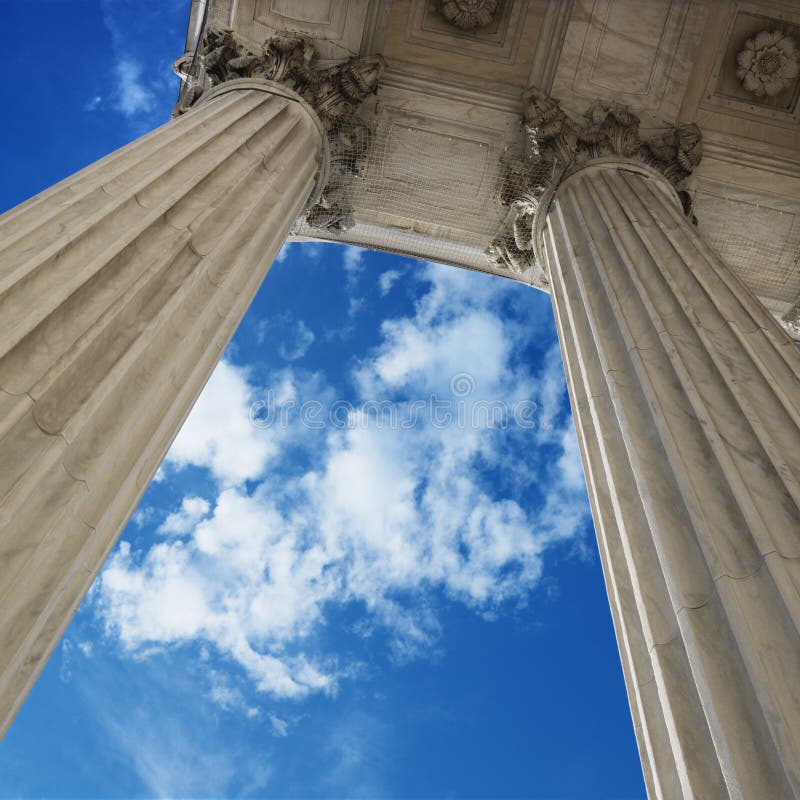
<point x="168" y="759"/>
<point x="353" y="260"/>
<point x="296" y="345"/>
<point x="569" y="462"/>
<point x="134" y="95"/>
<point x="292" y="338"/>
<point x="356" y="304"/>
<point x="387" y="280"/>
<point x="65" y="670"/>
<point x="280" y="727"/>
<point x="229" y="697"/>
<point x="313" y="250"/>
<point x="381" y="515"/>
<point x="218" y="434"/>
<point x="192" y="510"/>
<point x="145" y="514"/>
<point x="283" y="253"/>
<point x="93" y="103"/>
<point x="142" y="92"/>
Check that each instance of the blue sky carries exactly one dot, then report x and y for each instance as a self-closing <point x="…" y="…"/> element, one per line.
<point x="307" y="603"/>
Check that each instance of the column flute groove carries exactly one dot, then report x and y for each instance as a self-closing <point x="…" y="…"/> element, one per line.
<point x="772" y="456"/>
<point x="119" y="290"/>
<point x="663" y="742"/>
<point x="685" y="398"/>
<point x="729" y="469"/>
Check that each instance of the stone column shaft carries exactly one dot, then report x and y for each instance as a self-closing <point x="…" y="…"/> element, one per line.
<point x="686" y="400"/>
<point x="119" y="289"/>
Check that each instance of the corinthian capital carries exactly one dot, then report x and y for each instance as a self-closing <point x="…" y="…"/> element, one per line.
<point x="558" y="145"/>
<point x="607" y="129"/>
<point x="335" y="92"/>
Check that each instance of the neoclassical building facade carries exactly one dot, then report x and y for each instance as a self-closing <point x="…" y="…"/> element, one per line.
<point x="639" y="160"/>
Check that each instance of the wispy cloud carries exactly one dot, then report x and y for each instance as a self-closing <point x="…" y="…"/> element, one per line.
<point x="144" y="87"/>
<point x="383" y="517"/>
<point x="134" y="95"/>
<point x="93" y="103"/>
<point x="387" y="280"/>
<point x="353" y="260"/>
<point x="184" y="520"/>
<point x="298" y="342"/>
<point x="280" y="727"/>
<point x="291" y="337"/>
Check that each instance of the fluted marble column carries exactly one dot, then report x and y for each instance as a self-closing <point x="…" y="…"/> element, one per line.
<point x="686" y="399"/>
<point x="119" y="289"/>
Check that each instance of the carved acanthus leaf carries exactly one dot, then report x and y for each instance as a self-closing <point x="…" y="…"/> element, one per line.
<point x="608" y="129"/>
<point x="335" y="92"/>
<point x="558" y="144"/>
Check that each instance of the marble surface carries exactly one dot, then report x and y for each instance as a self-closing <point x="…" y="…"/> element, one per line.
<point x="686" y="399"/>
<point x="119" y="289"/>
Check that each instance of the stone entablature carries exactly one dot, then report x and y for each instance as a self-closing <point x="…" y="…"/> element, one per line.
<point x="334" y="92"/>
<point x="452" y="98"/>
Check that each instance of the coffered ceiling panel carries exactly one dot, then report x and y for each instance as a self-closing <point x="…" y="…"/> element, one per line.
<point x="501" y="51"/>
<point x="636" y="53"/>
<point x="756" y="73"/>
<point x="337" y="26"/>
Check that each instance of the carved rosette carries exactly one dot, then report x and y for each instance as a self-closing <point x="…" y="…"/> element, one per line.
<point x="468" y="15"/>
<point x="558" y="145"/>
<point x="335" y="93"/>
<point x="768" y="63"/>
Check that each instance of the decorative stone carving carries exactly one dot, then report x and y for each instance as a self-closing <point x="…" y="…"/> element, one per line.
<point x="511" y="249"/>
<point x="791" y="321"/>
<point x="335" y="92"/>
<point x="768" y="63"/>
<point x="469" y="14"/>
<point x="558" y="144"/>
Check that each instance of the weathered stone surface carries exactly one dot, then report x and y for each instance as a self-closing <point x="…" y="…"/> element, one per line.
<point x="685" y="396"/>
<point x="119" y="289"/>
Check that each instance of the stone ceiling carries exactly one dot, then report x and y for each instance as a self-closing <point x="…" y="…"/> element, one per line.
<point x="447" y="117"/>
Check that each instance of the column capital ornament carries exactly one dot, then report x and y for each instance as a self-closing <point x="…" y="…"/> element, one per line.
<point x="335" y="92"/>
<point x="557" y="146"/>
